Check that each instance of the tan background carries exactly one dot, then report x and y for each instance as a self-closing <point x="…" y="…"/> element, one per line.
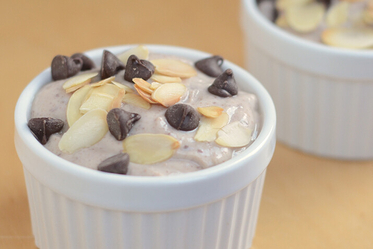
<point x="308" y="202"/>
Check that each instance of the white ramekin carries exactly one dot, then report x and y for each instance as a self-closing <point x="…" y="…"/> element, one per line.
<point x="323" y="95"/>
<point x="75" y="207"/>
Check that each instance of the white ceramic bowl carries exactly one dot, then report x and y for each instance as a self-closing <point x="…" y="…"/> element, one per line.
<point x="323" y="95"/>
<point x="75" y="207"/>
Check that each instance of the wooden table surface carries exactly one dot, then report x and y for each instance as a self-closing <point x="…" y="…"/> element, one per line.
<point x="308" y="202"/>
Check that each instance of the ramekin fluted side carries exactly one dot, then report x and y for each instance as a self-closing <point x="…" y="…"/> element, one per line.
<point x="316" y="114"/>
<point x="59" y="222"/>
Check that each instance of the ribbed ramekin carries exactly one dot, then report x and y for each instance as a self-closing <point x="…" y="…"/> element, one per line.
<point x="78" y="208"/>
<point x="323" y="95"/>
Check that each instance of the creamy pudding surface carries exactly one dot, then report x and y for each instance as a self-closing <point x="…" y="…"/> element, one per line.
<point x="188" y="120"/>
<point x="337" y="23"/>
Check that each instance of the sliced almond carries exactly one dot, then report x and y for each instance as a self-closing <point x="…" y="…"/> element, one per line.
<point x="337" y="14"/>
<point x="143" y="85"/>
<point x="370" y="5"/>
<point x="209" y="127"/>
<point x="354" y="1"/>
<point x="368" y="16"/>
<point x="284" y="4"/>
<point x="281" y="21"/>
<point x="117" y="101"/>
<point x="234" y="135"/>
<point x="109" y="89"/>
<point x="85" y="132"/>
<point x="145" y="96"/>
<point x="76" y="100"/>
<point x="128" y="89"/>
<point x="136" y="100"/>
<point x="173" y="68"/>
<point x="106" y="89"/>
<point x="210" y="111"/>
<point x="97" y="101"/>
<point x="150" y="148"/>
<point x="305" y="18"/>
<point x="155" y="85"/>
<point x="78" y="81"/>
<point x="169" y="94"/>
<point x="355" y="38"/>
<point x="140" y="51"/>
<point x="103" y="82"/>
<point x="165" y="79"/>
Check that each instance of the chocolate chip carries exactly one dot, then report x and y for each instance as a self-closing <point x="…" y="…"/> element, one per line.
<point x="110" y="65"/>
<point x="64" y="67"/>
<point x="137" y="68"/>
<point x="88" y="64"/>
<point x="42" y="128"/>
<point x="182" y="117"/>
<point x="225" y="85"/>
<point x="117" y="164"/>
<point x="275" y="14"/>
<point x="211" y="65"/>
<point x="120" y="122"/>
<point x="327" y="3"/>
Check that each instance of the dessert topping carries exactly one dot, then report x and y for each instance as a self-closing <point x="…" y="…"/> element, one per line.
<point x="368" y="14"/>
<point x="136" y="100"/>
<point x="73" y="106"/>
<point x="42" y="128"/>
<point x="305" y="18"/>
<point x="117" y="164"/>
<point x="97" y="100"/>
<point x="140" y="51"/>
<point x="126" y="88"/>
<point x="110" y="65"/>
<point x="102" y="95"/>
<point x="150" y="148"/>
<point x="168" y="94"/>
<point x="211" y="65"/>
<point x="234" y="135"/>
<point x="210" y="111"/>
<point x="143" y="85"/>
<point x="281" y="21"/>
<point x="165" y="79"/>
<point x="209" y="127"/>
<point x="120" y="122"/>
<point x="88" y="64"/>
<point x="117" y="101"/>
<point x="326" y="3"/>
<point x="173" y="68"/>
<point x="146" y="96"/>
<point x="182" y="117"/>
<point x="284" y="4"/>
<point x="224" y="85"/>
<point x="103" y="82"/>
<point x="85" y="132"/>
<point x="78" y="81"/>
<point x="352" y="37"/>
<point x="337" y="15"/>
<point x="64" y="67"/>
<point x="155" y="85"/>
<point x="137" y="68"/>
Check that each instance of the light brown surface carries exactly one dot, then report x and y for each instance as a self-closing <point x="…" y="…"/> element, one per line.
<point x="308" y="202"/>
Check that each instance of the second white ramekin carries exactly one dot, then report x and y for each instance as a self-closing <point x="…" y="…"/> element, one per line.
<point x="323" y="95"/>
<point x="78" y="208"/>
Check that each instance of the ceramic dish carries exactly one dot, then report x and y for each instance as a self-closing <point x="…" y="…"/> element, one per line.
<point x="75" y="207"/>
<point x="322" y="94"/>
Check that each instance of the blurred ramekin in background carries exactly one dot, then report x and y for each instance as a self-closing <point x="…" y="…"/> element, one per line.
<point x="323" y="95"/>
<point x="78" y="208"/>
